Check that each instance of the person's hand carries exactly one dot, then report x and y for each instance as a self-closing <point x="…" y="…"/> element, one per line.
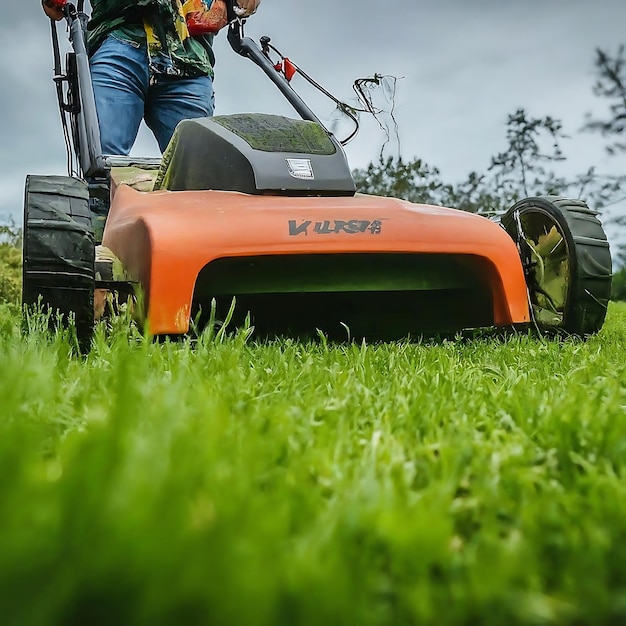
<point x="53" y="9"/>
<point x="245" y="8"/>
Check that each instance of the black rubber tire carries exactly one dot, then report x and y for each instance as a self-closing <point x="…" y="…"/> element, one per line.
<point x="588" y="256"/>
<point x="59" y="252"/>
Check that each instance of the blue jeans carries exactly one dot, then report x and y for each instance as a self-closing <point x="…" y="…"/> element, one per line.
<point x="125" y="94"/>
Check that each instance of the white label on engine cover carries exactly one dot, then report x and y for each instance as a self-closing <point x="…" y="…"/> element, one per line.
<point x="300" y="168"/>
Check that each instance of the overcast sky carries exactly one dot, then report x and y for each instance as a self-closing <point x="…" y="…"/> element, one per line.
<point x="465" y="65"/>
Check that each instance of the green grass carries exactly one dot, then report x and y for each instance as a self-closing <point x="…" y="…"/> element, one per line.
<point x="459" y="482"/>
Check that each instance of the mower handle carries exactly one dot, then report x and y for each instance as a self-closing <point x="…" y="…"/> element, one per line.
<point x="85" y="118"/>
<point x="247" y="47"/>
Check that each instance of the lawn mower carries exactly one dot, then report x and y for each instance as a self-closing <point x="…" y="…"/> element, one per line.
<point x="262" y="211"/>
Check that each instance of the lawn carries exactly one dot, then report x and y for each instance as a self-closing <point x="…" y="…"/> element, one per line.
<point x="230" y="482"/>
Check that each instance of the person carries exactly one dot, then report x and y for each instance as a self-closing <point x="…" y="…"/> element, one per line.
<point x="151" y="60"/>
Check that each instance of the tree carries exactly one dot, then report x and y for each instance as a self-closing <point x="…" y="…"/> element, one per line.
<point x="518" y="171"/>
<point x="415" y="180"/>
<point x="526" y="166"/>
<point x="611" y="84"/>
<point x="521" y="170"/>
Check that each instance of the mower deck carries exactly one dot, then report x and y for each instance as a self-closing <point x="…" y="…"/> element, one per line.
<point x="297" y="255"/>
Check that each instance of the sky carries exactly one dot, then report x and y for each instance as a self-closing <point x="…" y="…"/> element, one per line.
<point x="463" y="65"/>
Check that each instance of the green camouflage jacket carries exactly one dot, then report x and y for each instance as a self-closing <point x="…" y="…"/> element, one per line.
<point x="125" y="19"/>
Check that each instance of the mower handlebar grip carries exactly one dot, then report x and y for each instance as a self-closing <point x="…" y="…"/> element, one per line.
<point x="231" y="15"/>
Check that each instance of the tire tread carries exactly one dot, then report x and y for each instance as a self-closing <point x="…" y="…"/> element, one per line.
<point x="59" y="253"/>
<point x="590" y="263"/>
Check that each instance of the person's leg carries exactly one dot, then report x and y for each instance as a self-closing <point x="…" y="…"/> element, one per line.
<point x="171" y="100"/>
<point x="119" y="73"/>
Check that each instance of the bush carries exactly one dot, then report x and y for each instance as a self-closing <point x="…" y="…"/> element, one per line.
<point x="10" y="264"/>
<point x="618" y="290"/>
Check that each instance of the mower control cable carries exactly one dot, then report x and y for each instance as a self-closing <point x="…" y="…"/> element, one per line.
<point x="281" y="72"/>
<point x="288" y="69"/>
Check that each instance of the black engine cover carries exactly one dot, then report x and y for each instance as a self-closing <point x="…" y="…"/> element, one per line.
<point x="255" y="154"/>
